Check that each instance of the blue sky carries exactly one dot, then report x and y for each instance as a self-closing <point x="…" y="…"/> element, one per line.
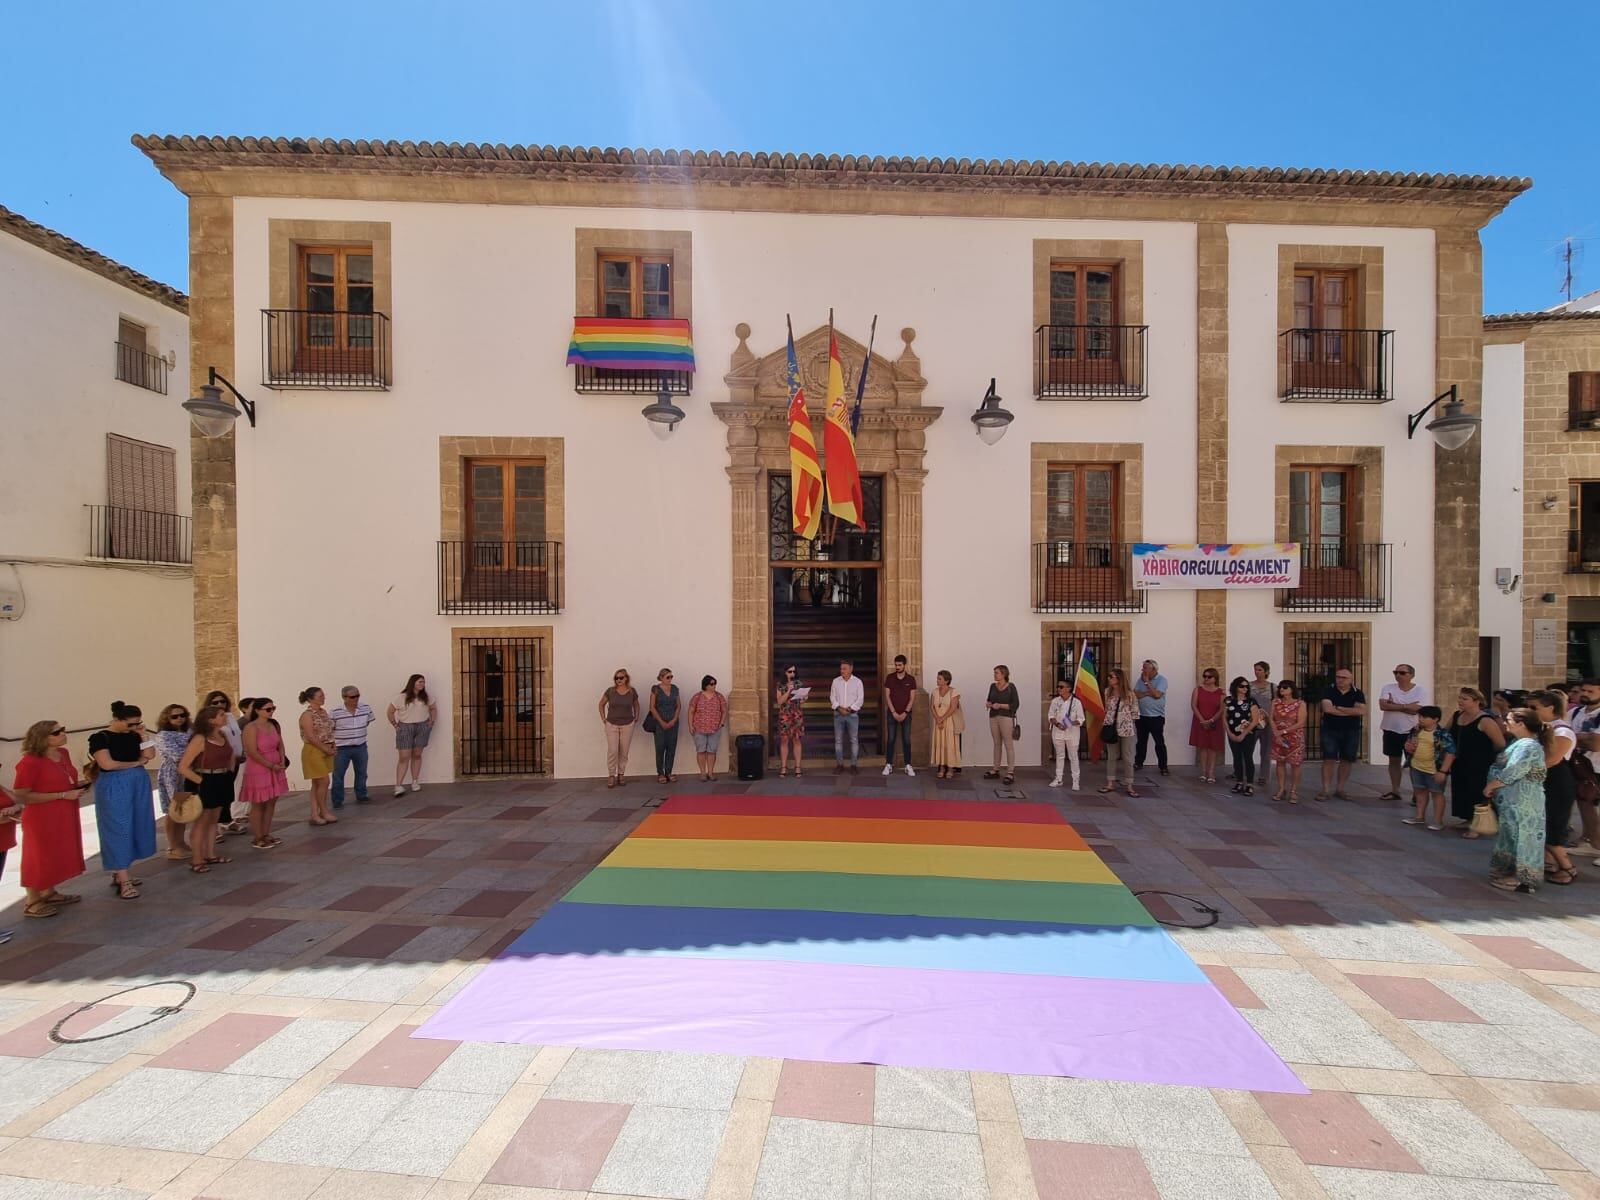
<point x="1471" y="87"/>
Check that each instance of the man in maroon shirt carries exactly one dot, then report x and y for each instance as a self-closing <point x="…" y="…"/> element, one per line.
<point x="899" y="689"/>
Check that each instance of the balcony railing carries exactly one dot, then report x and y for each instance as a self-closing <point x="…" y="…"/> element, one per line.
<point x="1349" y="366"/>
<point x="303" y="348"/>
<point x="1087" y="576"/>
<point x="1104" y="362"/>
<point x="500" y="577"/>
<point x="135" y="535"/>
<point x="631" y="383"/>
<point x="1341" y="577"/>
<point x="140" y="369"/>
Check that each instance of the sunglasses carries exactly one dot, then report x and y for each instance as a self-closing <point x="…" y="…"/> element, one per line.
<point x="267" y="708"/>
<point x="618" y="678"/>
<point x="58" y="732"/>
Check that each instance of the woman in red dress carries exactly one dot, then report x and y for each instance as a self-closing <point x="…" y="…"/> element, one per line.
<point x="47" y="787"/>
<point x="1205" y="730"/>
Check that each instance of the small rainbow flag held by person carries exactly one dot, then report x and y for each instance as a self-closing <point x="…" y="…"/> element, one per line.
<point x="1087" y="689"/>
<point x="631" y="344"/>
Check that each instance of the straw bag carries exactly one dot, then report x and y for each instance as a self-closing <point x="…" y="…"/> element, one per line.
<point x="185" y="807"/>
<point x="1484" y="822"/>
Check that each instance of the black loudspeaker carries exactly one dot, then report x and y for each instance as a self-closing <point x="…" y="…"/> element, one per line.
<point x="750" y="755"/>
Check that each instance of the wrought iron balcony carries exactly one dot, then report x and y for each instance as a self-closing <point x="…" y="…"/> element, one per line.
<point x="1342" y="577"/>
<point x="500" y="577"/>
<point x="599" y="380"/>
<point x="1089" y="362"/>
<point x="1340" y="366"/>
<point x="1089" y="576"/>
<point x="141" y="369"/>
<point x="306" y="348"/>
<point x="135" y="535"/>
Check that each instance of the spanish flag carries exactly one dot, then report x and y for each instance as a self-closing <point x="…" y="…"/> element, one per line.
<point x="844" y="477"/>
<point x="805" y="472"/>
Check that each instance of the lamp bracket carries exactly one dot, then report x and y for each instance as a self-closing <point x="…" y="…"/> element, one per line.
<point x="246" y="405"/>
<point x="1412" y="421"/>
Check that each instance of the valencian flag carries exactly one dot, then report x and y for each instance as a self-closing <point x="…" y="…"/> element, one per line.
<point x="844" y="478"/>
<point x="805" y="472"/>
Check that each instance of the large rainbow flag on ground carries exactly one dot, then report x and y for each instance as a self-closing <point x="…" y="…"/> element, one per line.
<point x="926" y="933"/>
<point x="631" y="343"/>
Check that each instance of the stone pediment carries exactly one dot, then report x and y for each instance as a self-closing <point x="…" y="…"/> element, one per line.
<point x="764" y="381"/>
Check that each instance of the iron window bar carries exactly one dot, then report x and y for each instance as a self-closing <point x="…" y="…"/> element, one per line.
<point x="1084" y="576"/>
<point x="1342" y="577"/>
<point x="479" y="576"/>
<point x="135" y="366"/>
<point x="1095" y="362"/>
<point x="139" y="535"/>
<point x="317" y="349"/>
<point x="617" y="381"/>
<point x="1342" y="366"/>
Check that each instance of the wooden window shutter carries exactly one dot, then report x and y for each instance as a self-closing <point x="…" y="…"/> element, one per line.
<point x="141" y="476"/>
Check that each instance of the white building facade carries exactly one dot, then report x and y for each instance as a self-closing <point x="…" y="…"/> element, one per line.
<point x="1190" y="355"/>
<point x="95" y="578"/>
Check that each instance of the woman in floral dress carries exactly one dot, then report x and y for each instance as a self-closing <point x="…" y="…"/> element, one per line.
<point x="1288" y="740"/>
<point x="172" y="739"/>
<point x="791" y="723"/>
<point x="1516" y="785"/>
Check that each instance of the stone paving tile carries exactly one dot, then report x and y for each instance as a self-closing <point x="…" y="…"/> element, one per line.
<point x="1343" y="1183"/>
<point x="1305" y="1022"/>
<point x="1414" y="999"/>
<point x="436" y="945"/>
<point x="125" y="1032"/>
<point x="1524" y="953"/>
<point x="561" y="1144"/>
<point x="834" y="1092"/>
<point x="449" y="990"/>
<point x="1332" y="1129"/>
<point x="331" y="1126"/>
<point x="663" y="1152"/>
<point x="1237" y="992"/>
<point x="14" y="1187"/>
<point x="208" y="1114"/>
<point x="38" y="959"/>
<point x="1448" y="1139"/>
<point x="1578" y="1133"/>
<point x="116" y="1113"/>
<point x="916" y="1098"/>
<point x="300" y="937"/>
<point x="707" y="1081"/>
<point x="918" y="1164"/>
<point x="389" y="981"/>
<point x="1180" y="1119"/>
<point x="221" y="1042"/>
<point x="1069" y="1110"/>
<point x="1072" y="1171"/>
<point x="399" y="1060"/>
<point x="609" y="1076"/>
<point x="1505" y="1052"/>
<point x="321" y="978"/>
<point x="423" y="1134"/>
<point x="487" y="1068"/>
<point x="815" y="1160"/>
<point x="296" y="1049"/>
<point x="1188" y="1176"/>
<point x="25" y="1083"/>
<point x="366" y="899"/>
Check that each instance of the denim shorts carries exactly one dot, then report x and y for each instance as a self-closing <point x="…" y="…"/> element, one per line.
<point x="1422" y="781"/>
<point x="1342" y="744"/>
<point x="413" y="735"/>
<point x="707" y="743"/>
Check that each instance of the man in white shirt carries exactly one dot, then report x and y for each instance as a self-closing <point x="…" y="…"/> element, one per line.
<point x="1066" y="720"/>
<point x="1399" y="702"/>
<point x="846" y="696"/>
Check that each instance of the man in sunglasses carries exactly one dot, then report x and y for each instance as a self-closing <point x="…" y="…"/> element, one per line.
<point x="350" y="721"/>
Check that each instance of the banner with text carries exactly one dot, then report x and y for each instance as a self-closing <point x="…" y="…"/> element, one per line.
<point x="1236" y="566"/>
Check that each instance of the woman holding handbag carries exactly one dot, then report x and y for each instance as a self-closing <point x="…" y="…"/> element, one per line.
<point x="48" y="790"/>
<point x="1003" y="703"/>
<point x="1117" y="731"/>
<point x="1478" y="739"/>
<point x="172" y="738"/>
<point x="1516" y="788"/>
<point x="1242" y="719"/>
<point x="208" y="764"/>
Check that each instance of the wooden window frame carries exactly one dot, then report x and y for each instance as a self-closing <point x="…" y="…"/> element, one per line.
<point x="1071" y="352"/>
<point x="636" y="289"/>
<point x="1583" y="399"/>
<point x="1352" y="481"/>
<point x="1081" y="568"/>
<point x="343" y="354"/>
<point x="489" y="570"/>
<point x="1576" y="562"/>
<point x="1329" y="355"/>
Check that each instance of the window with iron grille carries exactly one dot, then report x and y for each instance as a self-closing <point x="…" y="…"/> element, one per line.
<point x="1065" y="645"/>
<point x="501" y="691"/>
<point x="1313" y="657"/>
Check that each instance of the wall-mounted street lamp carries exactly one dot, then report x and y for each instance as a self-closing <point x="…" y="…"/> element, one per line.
<point x="663" y="415"/>
<point x="991" y="421"/>
<point x="1453" y="428"/>
<point x="212" y="415"/>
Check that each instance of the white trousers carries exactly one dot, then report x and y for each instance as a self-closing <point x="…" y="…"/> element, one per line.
<point x="1065" y="742"/>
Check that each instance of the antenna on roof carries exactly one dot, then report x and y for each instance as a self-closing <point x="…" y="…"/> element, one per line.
<point x="1566" y="268"/>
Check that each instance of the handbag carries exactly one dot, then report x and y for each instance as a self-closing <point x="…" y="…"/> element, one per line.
<point x="650" y="725"/>
<point x="185" y="807"/>
<point x="1108" y="731"/>
<point x="1484" y="822"/>
<point x="1583" y="773"/>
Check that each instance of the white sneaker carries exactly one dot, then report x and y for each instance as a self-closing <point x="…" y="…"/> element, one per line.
<point x="1055" y="783"/>
<point x="1584" y="849"/>
<point x="415" y="786"/>
<point x="888" y="768"/>
<point x="1074" y="785"/>
<point x="399" y="790"/>
<point x="910" y="772"/>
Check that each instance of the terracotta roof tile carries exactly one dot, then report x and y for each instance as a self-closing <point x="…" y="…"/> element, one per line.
<point x="91" y="260"/>
<point x="1538" y="318"/>
<point x="770" y="167"/>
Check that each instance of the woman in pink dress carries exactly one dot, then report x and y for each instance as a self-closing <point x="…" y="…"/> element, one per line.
<point x="1205" y="730"/>
<point x="264" y="773"/>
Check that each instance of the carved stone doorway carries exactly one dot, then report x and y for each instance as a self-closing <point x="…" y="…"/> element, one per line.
<point x="891" y="442"/>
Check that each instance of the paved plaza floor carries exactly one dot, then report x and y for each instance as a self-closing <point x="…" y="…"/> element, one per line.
<point x="1450" y="1034"/>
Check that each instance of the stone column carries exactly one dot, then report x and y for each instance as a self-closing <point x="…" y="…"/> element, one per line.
<point x="1456" y="486"/>
<point x="905" y="611"/>
<point x="1211" y="433"/>
<point x="216" y="514"/>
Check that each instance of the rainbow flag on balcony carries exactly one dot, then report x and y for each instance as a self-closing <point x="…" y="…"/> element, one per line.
<point x="631" y="344"/>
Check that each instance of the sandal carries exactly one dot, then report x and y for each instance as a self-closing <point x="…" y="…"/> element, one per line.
<point x="115" y="885"/>
<point x="1294" y="797"/>
<point x="1105" y="789"/>
<point x="1411" y="820"/>
<point x="1506" y="885"/>
<point x="1554" y="877"/>
<point x="40" y="909"/>
<point x="1390" y="796"/>
<point x="262" y="845"/>
<point x="1133" y="792"/>
<point x="200" y="868"/>
<point x="127" y="890"/>
<point x="1009" y="780"/>
<point x="55" y="897"/>
<point x="991" y="774"/>
<point x="1470" y="836"/>
<point x="218" y="860"/>
<point x="179" y="854"/>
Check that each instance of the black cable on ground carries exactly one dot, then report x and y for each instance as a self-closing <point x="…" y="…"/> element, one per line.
<point x="165" y="1010"/>
<point x="1215" y="914"/>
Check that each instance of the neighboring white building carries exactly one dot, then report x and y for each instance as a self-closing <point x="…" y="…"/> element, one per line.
<point x="1191" y="354"/>
<point x="94" y="488"/>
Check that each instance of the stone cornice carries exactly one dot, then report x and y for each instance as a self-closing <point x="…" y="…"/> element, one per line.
<point x="701" y="179"/>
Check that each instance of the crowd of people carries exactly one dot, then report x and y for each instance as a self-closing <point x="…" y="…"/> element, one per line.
<point x="209" y="761"/>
